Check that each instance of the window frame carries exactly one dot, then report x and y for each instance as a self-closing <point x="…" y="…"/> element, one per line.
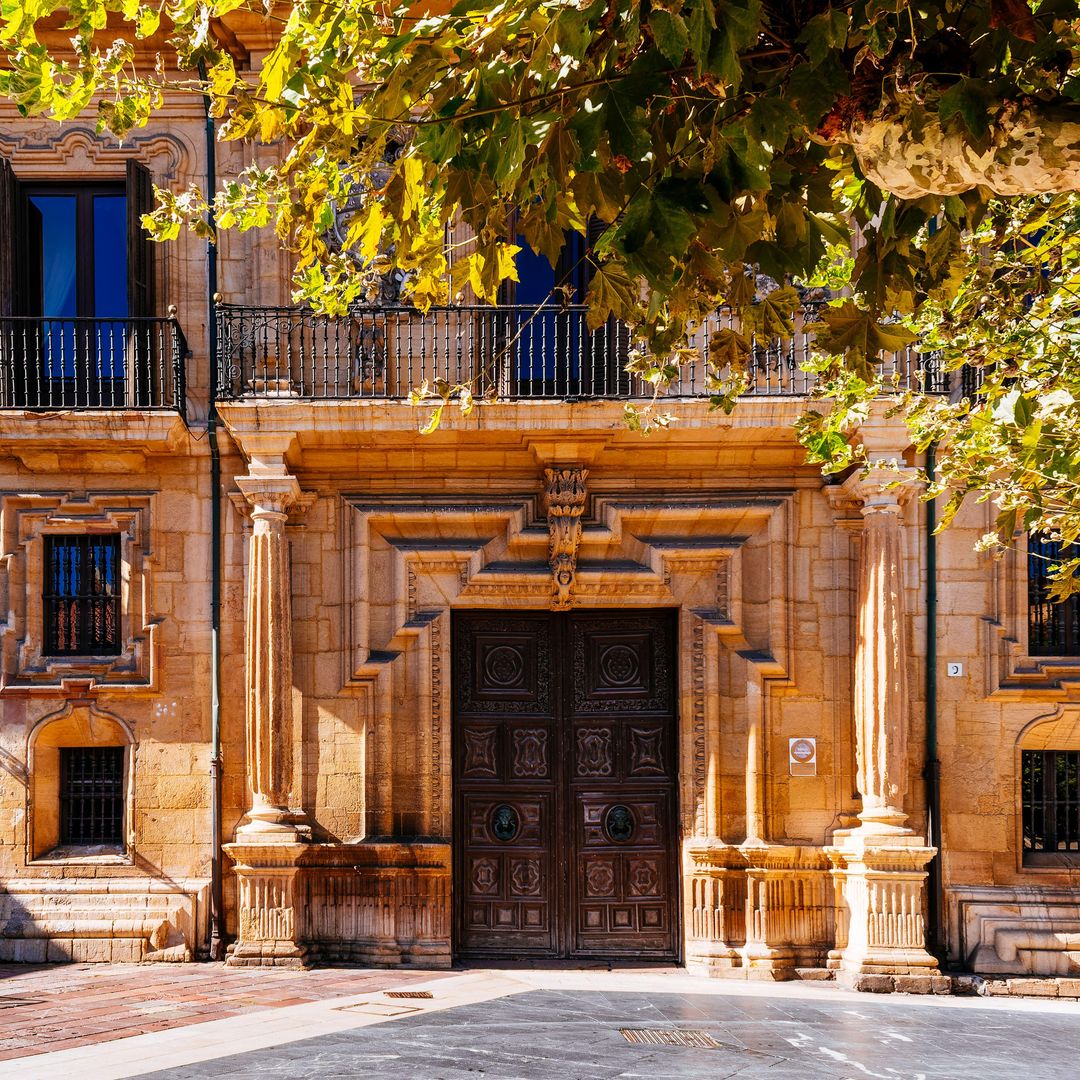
<point x="1063" y="621"/>
<point x="1052" y="805"/>
<point x="116" y="812"/>
<point x="85" y="286"/>
<point x="50" y="649"/>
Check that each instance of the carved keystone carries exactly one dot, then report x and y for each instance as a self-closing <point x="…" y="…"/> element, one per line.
<point x="564" y="497"/>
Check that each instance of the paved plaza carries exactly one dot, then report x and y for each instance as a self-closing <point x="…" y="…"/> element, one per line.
<point x="95" y="1022"/>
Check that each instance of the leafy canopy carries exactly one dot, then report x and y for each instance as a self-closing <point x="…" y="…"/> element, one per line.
<point x="694" y="142"/>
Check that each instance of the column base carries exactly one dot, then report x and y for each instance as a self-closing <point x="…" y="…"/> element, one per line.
<point x="270" y="918"/>
<point x="276" y="954"/>
<point x="884" y="877"/>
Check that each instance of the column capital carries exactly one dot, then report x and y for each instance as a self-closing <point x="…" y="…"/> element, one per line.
<point x="270" y="495"/>
<point x="884" y="485"/>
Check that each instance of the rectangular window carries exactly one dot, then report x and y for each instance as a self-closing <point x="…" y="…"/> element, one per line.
<point x="1051" y="800"/>
<point x="82" y="595"/>
<point x="92" y="796"/>
<point x="1053" y="629"/>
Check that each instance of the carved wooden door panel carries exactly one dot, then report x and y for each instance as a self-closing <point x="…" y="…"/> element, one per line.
<point x="506" y="791"/>
<point x="622" y="784"/>
<point x="564" y="784"/>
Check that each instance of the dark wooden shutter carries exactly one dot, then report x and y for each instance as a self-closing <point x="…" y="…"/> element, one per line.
<point x="141" y="277"/>
<point x="9" y="232"/>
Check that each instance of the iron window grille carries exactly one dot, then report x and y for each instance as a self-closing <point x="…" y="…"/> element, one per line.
<point x="82" y="595"/>
<point x="1053" y="629"/>
<point x="1051" y="800"/>
<point x="92" y="796"/>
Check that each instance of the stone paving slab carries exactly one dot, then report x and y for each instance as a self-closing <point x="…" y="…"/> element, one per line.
<point x="575" y="1035"/>
<point x="45" y="1008"/>
<point x="545" y="1025"/>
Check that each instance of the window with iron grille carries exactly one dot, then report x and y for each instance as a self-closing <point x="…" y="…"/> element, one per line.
<point x="1053" y="629"/>
<point x="92" y="795"/>
<point x="82" y="595"/>
<point x="1051" y="800"/>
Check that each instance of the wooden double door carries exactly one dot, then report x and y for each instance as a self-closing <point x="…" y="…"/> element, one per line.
<point x="565" y="829"/>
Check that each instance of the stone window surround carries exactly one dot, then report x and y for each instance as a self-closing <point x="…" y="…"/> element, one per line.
<point x="1059" y="730"/>
<point x="1010" y="670"/>
<point x="76" y="723"/>
<point x="26" y="519"/>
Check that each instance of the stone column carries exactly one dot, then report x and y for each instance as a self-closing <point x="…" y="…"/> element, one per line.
<point x="271" y="842"/>
<point x="268" y="661"/>
<point x="881" y="654"/>
<point x="882" y="862"/>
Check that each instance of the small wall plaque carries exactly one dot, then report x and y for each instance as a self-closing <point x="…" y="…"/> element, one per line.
<point x="802" y="757"/>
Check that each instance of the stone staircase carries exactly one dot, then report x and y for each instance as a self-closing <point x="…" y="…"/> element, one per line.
<point x="129" y="919"/>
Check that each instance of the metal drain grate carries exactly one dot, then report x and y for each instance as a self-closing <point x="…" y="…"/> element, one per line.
<point x="407" y="993"/>
<point x="669" y="1037"/>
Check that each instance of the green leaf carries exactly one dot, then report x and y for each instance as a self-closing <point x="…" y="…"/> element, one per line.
<point x="968" y="100"/>
<point x="611" y="292"/>
<point x="857" y="334"/>
<point x="824" y="33"/>
<point x="774" y="315"/>
<point x="670" y="34"/>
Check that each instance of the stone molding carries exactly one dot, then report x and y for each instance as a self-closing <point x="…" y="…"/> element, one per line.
<point x="408" y="561"/>
<point x="25" y="519"/>
<point x="1016" y="929"/>
<point x="46" y="153"/>
<point x="88" y="724"/>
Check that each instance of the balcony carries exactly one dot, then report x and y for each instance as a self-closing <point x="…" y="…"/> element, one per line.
<point x="515" y="353"/>
<point x="87" y="364"/>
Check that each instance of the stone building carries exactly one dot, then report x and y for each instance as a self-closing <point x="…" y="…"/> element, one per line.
<point x="532" y="685"/>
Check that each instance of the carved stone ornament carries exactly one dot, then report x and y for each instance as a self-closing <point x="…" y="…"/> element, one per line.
<point x="564" y="496"/>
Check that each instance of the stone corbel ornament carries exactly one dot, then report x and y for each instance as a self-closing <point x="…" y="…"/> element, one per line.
<point x="564" y="497"/>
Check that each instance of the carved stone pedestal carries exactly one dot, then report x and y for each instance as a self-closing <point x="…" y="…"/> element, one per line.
<point x="788" y="910"/>
<point x="884" y="878"/>
<point x="715" y="908"/>
<point x="267" y="901"/>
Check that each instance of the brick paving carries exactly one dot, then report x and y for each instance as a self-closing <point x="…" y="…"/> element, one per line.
<point x="51" y="1007"/>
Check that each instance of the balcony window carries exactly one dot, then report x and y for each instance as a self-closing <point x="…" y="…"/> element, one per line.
<point x="1053" y="629"/>
<point x="82" y="595"/>
<point x="77" y="303"/>
<point x="552" y="351"/>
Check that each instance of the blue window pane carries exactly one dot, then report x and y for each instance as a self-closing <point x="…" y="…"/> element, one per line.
<point x="58" y="257"/>
<point x="110" y="281"/>
<point x="110" y="257"/>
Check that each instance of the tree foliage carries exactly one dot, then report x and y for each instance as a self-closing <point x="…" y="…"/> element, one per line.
<point x="706" y="140"/>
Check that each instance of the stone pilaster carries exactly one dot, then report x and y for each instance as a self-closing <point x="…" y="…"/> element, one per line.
<point x="882" y="862"/>
<point x="268" y="661"/>
<point x="271" y="841"/>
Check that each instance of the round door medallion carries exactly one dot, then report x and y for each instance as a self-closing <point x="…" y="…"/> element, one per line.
<point x="504" y="823"/>
<point x="619" y="823"/>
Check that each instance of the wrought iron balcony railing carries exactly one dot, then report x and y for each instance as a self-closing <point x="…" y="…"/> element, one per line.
<point x="92" y="364"/>
<point x="516" y="352"/>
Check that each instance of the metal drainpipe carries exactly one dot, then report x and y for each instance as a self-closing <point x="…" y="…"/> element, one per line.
<point x="932" y="772"/>
<point x="217" y="903"/>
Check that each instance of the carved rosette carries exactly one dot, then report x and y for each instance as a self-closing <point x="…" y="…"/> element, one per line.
<point x="564" y="497"/>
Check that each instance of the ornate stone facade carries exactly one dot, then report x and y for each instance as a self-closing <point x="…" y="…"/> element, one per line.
<point x="348" y="544"/>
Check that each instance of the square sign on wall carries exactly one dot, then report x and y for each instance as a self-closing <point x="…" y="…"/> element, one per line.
<point x="802" y="757"/>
